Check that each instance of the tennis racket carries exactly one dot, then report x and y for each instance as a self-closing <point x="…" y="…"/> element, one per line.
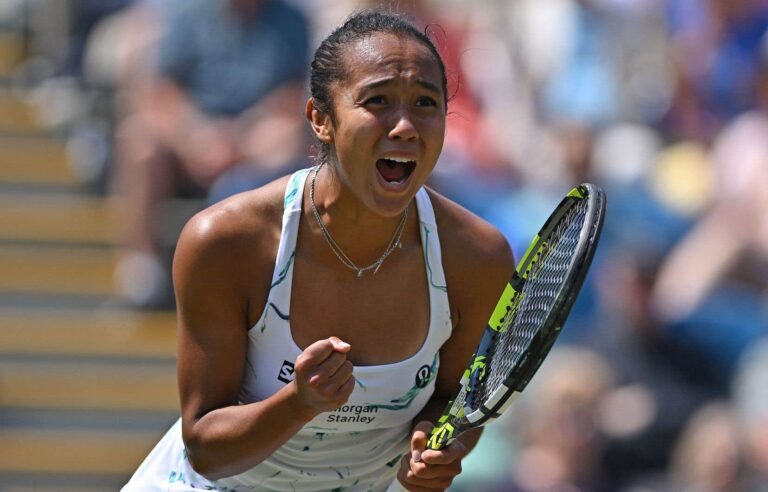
<point x="529" y="315"/>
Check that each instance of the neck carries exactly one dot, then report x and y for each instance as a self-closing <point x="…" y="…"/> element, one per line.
<point x="362" y="235"/>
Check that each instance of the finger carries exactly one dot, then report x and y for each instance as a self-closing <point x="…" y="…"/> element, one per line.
<point x="342" y="377"/>
<point x="453" y="452"/>
<point x="342" y="394"/>
<point x="428" y="472"/>
<point x="315" y="353"/>
<point x="435" y="479"/>
<point x="415" y="488"/>
<point x="328" y="368"/>
<point x="339" y="345"/>
<point x="344" y="372"/>
<point x="419" y="439"/>
<point x="431" y="485"/>
<point x="402" y="475"/>
<point x="319" y="351"/>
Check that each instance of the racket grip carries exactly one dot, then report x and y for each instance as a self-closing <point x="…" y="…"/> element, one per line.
<point x="441" y="436"/>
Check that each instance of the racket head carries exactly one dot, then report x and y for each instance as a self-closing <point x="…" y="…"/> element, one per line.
<point x="529" y="315"/>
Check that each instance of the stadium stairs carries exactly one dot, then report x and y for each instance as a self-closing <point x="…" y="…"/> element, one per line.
<point x="86" y="386"/>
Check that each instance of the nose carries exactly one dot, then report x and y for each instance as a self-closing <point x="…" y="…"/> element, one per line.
<point x="404" y="129"/>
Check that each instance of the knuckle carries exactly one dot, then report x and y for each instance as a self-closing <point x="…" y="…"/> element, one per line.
<point x="346" y="394"/>
<point x="419" y="470"/>
<point x="346" y="369"/>
<point x="301" y="364"/>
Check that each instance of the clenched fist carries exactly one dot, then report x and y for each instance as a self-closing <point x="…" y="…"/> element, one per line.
<point x="323" y="375"/>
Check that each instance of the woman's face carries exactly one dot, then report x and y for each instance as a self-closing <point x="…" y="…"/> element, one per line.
<point x="389" y="120"/>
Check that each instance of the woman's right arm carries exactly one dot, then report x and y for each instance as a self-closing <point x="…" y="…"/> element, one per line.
<point x="213" y="262"/>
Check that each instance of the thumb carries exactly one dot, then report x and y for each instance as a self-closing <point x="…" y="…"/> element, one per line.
<point x="338" y="345"/>
<point x="419" y="439"/>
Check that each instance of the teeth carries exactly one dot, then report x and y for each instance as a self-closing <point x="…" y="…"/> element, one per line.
<point x="398" y="159"/>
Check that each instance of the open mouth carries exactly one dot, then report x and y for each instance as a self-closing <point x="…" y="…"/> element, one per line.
<point x="395" y="170"/>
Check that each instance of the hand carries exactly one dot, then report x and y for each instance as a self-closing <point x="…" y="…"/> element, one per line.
<point x="323" y="376"/>
<point x="424" y="469"/>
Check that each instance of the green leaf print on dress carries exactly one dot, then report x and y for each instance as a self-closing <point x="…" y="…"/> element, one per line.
<point x="405" y="401"/>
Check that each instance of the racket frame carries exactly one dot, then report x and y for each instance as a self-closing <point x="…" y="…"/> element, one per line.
<point x="456" y="418"/>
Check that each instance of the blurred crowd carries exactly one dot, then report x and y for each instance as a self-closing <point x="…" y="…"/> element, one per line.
<point x="660" y="380"/>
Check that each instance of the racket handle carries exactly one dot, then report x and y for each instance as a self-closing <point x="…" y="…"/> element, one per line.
<point x="441" y="436"/>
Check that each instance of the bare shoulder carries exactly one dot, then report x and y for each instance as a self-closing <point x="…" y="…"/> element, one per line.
<point x="232" y="241"/>
<point x="471" y="246"/>
<point x="237" y="220"/>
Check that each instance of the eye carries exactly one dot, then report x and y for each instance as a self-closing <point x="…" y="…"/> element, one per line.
<point x="376" y="100"/>
<point x="426" y="101"/>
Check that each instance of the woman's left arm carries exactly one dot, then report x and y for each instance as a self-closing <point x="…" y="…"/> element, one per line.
<point x="478" y="262"/>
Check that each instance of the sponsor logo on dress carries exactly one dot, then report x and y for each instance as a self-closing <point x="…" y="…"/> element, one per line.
<point x="363" y="414"/>
<point x="422" y="376"/>
<point x="286" y="372"/>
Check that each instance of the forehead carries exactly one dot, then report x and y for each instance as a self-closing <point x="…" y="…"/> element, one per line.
<point x="387" y="55"/>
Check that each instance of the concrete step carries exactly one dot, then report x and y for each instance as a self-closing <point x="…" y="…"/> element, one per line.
<point x="38" y="160"/>
<point x="83" y="384"/>
<point x="17" y="116"/>
<point x="97" y="333"/>
<point x="74" y="452"/>
<point x="62" y="217"/>
<point x="59" y="218"/>
<point x="44" y="269"/>
<point x="11" y="52"/>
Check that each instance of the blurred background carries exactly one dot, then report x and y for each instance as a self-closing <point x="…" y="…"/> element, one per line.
<point x="119" y="119"/>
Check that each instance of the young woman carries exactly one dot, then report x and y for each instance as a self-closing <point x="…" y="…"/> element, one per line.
<point x="325" y="319"/>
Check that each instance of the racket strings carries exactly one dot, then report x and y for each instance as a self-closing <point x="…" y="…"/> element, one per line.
<point x="541" y="290"/>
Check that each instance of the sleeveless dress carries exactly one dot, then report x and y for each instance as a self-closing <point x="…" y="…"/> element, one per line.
<point x="356" y="447"/>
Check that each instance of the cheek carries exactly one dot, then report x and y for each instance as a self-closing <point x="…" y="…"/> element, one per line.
<point x="358" y="131"/>
<point x="435" y="134"/>
<point x="433" y="124"/>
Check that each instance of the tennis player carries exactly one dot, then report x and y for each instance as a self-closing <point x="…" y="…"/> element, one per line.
<point x="325" y="318"/>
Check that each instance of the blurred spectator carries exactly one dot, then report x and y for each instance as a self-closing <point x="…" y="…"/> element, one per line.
<point x="709" y="289"/>
<point x="658" y="385"/>
<point x="707" y="456"/>
<point x="227" y="89"/>
<point x="724" y="447"/>
<point x="555" y="424"/>
<point x="716" y="52"/>
<point x="86" y="15"/>
<point x="750" y="402"/>
<point x="57" y="69"/>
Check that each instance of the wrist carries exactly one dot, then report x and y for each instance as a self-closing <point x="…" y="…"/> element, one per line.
<point x="298" y="409"/>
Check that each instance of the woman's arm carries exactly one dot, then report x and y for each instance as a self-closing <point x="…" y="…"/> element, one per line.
<point x="478" y="262"/>
<point x="213" y="275"/>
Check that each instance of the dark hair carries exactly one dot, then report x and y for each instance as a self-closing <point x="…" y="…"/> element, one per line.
<point x="328" y="66"/>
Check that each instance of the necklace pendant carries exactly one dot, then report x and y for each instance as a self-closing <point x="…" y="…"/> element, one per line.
<point x="396" y="241"/>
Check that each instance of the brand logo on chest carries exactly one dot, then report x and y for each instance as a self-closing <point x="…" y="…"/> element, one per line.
<point x="286" y="372"/>
<point x="422" y="376"/>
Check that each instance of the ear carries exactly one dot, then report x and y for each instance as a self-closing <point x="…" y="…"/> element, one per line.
<point x="320" y="122"/>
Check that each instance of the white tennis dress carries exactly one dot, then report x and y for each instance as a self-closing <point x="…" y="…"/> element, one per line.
<point x="356" y="447"/>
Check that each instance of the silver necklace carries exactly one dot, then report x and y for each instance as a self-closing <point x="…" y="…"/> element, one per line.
<point x="394" y="243"/>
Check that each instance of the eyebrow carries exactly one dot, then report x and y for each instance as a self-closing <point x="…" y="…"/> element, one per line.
<point x="386" y="80"/>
